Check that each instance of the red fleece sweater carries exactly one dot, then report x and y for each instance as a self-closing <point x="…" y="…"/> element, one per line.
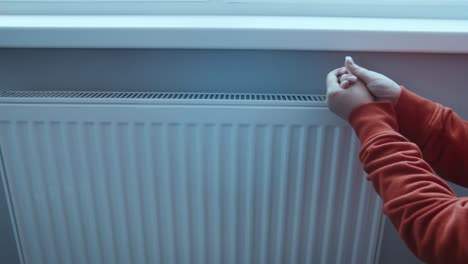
<point x="428" y="215"/>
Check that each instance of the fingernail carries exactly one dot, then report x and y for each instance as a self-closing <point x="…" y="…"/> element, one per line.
<point x="349" y="59"/>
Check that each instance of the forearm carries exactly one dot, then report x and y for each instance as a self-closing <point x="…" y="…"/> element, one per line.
<point x="439" y="132"/>
<point x="428" y="216"/>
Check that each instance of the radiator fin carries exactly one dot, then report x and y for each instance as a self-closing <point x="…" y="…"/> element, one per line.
<point x="99" y="189"/>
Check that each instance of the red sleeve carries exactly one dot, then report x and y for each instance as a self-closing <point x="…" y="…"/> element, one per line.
<point x="440" y="133"/>
<point x="431" y="220"/>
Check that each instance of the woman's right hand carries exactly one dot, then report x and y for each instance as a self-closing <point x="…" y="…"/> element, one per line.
<point x="379" y="85"/>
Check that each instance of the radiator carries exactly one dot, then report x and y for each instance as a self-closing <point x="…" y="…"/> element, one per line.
<point x="107" y="177"/>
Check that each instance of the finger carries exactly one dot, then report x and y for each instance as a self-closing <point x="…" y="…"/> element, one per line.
<point x="362" y="73"/>
<point x="349" y="77"/>
<point x="332" y="81"/>
<point x="332" y="77"/>
<point x="342" y="71"/>
<point x="345" y="84"/>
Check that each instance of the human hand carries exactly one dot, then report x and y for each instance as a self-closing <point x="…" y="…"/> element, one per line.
<point x="382" y="87"/>
<point x="343" y="101"/>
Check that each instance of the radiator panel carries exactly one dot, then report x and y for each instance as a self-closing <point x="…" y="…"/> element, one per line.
<point x="186" y="184"/>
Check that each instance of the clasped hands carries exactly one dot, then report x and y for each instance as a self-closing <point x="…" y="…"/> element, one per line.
<point x="351" y="86"/>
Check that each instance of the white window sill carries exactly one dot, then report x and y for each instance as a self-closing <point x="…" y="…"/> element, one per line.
<point x="235" y="32"/>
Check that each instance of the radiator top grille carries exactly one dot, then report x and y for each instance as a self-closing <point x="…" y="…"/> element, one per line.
<point x="158" y="97"/>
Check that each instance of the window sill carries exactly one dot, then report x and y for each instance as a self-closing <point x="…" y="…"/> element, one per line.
<point x="234" y="32"/>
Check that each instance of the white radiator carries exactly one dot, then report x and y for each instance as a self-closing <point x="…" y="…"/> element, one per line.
<point x="184" y="178"/>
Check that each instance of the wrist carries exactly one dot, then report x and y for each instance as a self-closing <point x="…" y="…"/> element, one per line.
<point x="397" y="95"/>
<point x="394" y="95"/>
<point x="373" y="118"/>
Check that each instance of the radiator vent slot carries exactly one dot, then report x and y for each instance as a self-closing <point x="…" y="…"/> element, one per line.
<point x="151" y="97"/>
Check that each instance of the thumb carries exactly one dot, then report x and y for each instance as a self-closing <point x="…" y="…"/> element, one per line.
<point x="362" y="73"/>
